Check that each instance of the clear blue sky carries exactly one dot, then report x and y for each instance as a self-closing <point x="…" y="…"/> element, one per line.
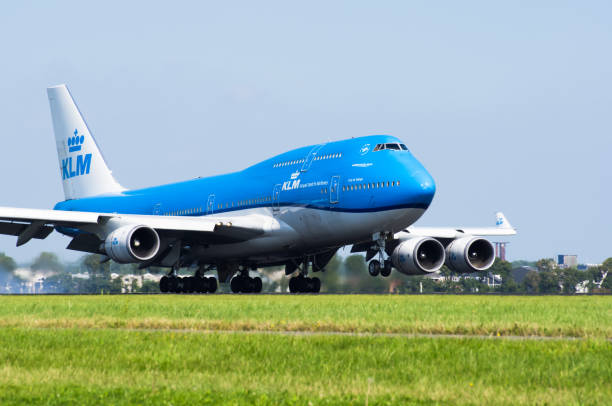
<point x="507" y="104"/>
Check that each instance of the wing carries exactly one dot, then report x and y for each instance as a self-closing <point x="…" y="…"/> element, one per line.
<point x="502" y="228"/>
<point x="34" y="223"/>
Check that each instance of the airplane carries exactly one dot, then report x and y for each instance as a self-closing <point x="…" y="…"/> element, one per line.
<point x="294" y="210"/>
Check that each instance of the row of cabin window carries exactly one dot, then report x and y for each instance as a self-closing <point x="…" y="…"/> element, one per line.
<point x="220" y="206"/>
<point x="301" y="161"/>
<point x="184" y="212"/>
<point x="245" y="202"/>
<point x="373" y="185"/>
<point x="328" y="156"/>
<point x="346" y="188"/>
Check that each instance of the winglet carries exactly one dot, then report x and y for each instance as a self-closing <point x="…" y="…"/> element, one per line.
<point x="501" y="221"/>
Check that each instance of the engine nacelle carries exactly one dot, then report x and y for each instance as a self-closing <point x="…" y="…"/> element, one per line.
<point x="470" y="254"/>
<point x="418" y="256"/>
<point x="129" y="244"/>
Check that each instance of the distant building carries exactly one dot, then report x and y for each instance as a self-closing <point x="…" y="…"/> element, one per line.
<point x="584" y="267"/>
<point x="567" y="261"/>
<point x="519" y="274"/>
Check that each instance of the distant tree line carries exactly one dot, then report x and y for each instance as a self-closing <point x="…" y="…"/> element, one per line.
<point x="343" y="275"/>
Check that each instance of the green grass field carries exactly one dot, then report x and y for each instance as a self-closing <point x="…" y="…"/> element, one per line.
<point x="226" y="349"/>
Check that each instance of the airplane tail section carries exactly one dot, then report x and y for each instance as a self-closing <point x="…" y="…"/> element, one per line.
<point x="83" y="169"/>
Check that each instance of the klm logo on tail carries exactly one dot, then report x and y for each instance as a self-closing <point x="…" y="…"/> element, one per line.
<point x="81" y="164"/>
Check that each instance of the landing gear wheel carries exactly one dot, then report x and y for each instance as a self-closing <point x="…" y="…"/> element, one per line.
<point x="200" y="285"/>
<point x="374" y="267"/>
<point x="164" y="284"/>
<point x="190" y="284"/>
<point x="212" y="285"/>
<point x="257" y="285"/>
<point x="386" y="270"/>
<point x="316" y="285"/>
<point x="300" y="284"/>
<point x="236" y="284"/>
<point x="293" y="288"/>
<point x="248" y="285"/>
<point x="180" y="285"/>
<point x="173" y="284"/>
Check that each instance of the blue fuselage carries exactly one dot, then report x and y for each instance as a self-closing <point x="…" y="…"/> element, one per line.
<point x="346" y="183"/>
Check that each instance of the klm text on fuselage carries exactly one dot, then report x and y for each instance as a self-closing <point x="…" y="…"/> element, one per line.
<point x="82" y="166"/>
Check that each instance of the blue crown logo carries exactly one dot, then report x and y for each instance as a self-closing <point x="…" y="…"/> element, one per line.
<point x="75" y="143"/>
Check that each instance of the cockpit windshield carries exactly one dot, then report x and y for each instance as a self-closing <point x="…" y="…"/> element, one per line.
<point x="391" y="146"/>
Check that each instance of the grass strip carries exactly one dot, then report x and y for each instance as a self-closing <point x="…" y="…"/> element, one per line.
<point x="547" y="316"/>
<point x="72" y="366"/>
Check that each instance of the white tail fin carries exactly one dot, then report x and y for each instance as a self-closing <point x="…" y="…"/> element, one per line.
<point x="82" y="167"/>
<point x="501" y="221"/>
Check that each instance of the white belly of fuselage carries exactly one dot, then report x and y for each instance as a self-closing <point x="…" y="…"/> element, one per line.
<point x="312" y="231"/>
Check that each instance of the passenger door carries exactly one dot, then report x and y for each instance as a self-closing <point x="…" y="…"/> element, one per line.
<point x="334" y="190"/>
<point x="210" y="205"/>
<point x="276" y="198"/>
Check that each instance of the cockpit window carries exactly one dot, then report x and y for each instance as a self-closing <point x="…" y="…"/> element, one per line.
<point x="393" y="146"/>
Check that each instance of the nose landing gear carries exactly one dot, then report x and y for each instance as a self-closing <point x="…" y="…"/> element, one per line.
<point x="380" y="266"/>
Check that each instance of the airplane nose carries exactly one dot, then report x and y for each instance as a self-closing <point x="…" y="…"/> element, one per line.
<point x="424" y="187"/>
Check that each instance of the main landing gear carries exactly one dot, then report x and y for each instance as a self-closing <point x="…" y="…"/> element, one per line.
<point x="189" y="284"/>
<point x="302" y="284"/>
<point x="242" y="283"/>
<point x="172" y="283"/>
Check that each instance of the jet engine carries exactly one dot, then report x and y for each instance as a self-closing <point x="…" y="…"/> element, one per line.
<point x="418" y="256"/>
<point x="132" y="244"/>
<point x="470" y="254"/>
